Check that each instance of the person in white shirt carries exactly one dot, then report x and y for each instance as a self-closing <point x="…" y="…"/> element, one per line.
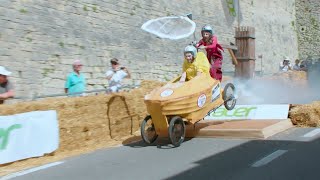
<point x="285" y="65"/>
<point x="116" y="75"/>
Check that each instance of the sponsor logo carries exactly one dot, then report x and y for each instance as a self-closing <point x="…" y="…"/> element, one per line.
<point x="5" y="135"/>
<point x="240" y="112"/>
<point x="166" y="93"/>
<point x="215" y="92"/>
<point x="202" y="100"/>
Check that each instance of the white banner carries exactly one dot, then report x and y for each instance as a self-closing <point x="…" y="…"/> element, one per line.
<point x="28" y="135"/>
<point x="247" y="112"/>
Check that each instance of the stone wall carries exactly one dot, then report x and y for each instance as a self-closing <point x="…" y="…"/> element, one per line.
<point x="40" y="39"/>
<point x="308" y="27"/>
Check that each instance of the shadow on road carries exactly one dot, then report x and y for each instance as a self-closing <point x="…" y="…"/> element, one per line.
<point x="160" y="143"/>
<point x="299" y="162"/>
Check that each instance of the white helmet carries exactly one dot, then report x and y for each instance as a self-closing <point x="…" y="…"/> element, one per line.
<point x="207" y="28"/>
<point x="191" y="49"/>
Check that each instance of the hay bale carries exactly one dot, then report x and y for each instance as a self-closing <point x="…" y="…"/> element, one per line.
<point x="84" y="121"/>
<point x="307" y="115"/>
<point x="291" y="78"/>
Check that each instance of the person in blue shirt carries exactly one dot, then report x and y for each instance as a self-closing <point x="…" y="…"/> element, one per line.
<point x="75" y="82"/>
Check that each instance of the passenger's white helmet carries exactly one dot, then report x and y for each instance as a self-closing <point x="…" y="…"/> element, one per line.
<point x="207" y="28"/>
<point x="191" y="49"/>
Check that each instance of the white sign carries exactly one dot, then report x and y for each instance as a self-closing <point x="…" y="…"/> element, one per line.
<point x="248" y="112"/>
<point x="202" y="100"/>
<point x="28" y="135"/>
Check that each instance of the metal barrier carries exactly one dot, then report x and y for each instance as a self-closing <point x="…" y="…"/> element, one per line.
<point x="84" y="93"/>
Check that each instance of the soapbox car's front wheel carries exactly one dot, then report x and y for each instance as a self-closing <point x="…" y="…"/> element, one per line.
<point x="229" y="96"/>
<point x="148" y="132"/>
<point x="177" y="131"/>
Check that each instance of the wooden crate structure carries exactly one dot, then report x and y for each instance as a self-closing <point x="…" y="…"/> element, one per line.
<point x="245" y="41"/>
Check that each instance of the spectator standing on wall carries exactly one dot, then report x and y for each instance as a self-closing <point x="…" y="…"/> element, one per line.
<point x="285" y="65"/>
<point x="115" y="75"/>
<point x="75" y="82"/>
<point x="6" y="87"/>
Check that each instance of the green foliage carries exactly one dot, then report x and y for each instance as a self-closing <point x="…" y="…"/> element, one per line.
<point x="167" y="78"/>
<point x="46" y="71"/>
<point x="94" y="8"/>
<point x="23" y="11"/>
<point x="61" y="44"/>
<point x="314" y="22"/>
<point x="85" y="8"/>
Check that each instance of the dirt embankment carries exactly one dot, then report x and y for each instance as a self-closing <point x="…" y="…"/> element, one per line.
<point x="86" y="123"/>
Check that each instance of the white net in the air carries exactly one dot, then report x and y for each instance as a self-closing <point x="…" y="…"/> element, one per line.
<point x="172" y="27"/>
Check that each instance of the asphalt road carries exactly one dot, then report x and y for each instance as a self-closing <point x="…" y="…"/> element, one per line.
<point x="292" y="154"/>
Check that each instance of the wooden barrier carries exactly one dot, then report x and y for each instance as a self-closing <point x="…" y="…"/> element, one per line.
<point x="245" y="41"/>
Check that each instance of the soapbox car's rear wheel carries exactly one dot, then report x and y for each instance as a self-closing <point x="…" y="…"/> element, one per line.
<point x="177" y="130"/>
<point x="148" y="132"/>
<point x="229" y="96"/>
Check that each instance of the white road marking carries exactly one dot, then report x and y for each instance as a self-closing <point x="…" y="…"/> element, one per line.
<point x="269" y="158"/>
<point x="21" y="173"/>
<point x="312" y="133"/>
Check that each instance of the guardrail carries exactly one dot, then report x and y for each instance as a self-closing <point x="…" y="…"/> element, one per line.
<point x="84" y="93"/>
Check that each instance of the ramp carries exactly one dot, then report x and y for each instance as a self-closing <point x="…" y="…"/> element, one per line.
<point x="244" y="121"/>
<point x="259" y="129"/>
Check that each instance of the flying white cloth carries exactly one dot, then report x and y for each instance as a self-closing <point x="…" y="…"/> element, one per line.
<point x="172" y="27"/>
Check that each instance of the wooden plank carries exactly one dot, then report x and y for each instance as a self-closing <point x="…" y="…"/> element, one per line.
<point x="276" y="128"/>
<point x="245" y="58"/>
<point x="234" y="59"/>
<point x="233" y="47"/>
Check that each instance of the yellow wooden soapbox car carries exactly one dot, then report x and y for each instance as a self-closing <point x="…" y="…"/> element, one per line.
<point x="176" y="104"/>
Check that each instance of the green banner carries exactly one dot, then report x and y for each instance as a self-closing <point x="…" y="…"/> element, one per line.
<point x="232" y="7"/>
